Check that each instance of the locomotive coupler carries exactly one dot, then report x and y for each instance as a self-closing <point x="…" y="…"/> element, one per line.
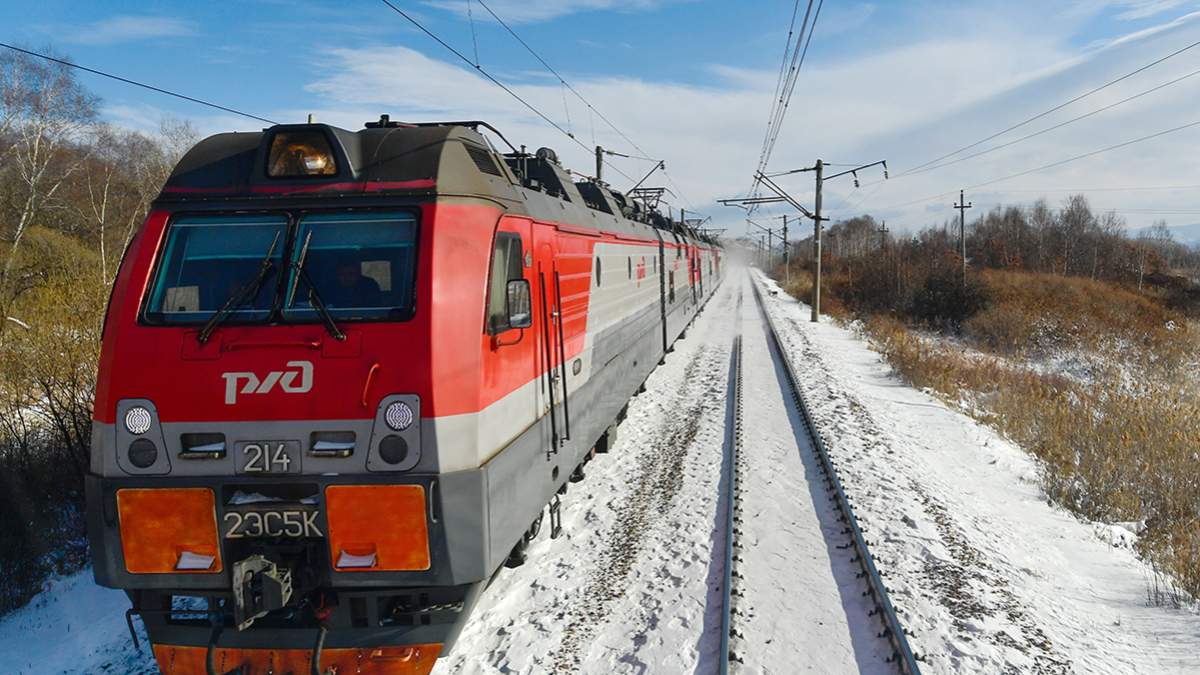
<point x="259" y="586"/>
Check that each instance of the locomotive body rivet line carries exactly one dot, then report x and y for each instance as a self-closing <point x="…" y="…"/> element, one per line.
<point x="903" y="656"/>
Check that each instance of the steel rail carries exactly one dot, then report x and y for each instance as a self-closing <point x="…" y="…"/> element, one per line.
<point x="734" y="439"/>
<point x="903" y="655"/>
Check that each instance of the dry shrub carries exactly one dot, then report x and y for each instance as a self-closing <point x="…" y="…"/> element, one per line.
<point x="798" y="283"/>
<point x="47" y="379"/>
<point x="1033" y="313"/>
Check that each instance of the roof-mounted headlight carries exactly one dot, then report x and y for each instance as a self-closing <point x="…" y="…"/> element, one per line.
<point x="297" y="154"/>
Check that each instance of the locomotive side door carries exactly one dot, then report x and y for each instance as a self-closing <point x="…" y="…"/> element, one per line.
<point x="510" y="362"/>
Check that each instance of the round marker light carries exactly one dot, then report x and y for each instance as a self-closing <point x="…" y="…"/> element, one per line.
<point x="398" y="416"/>
<point x="142" y="453"/>
<point x="393" y="449"/>
<point x="138" y="420"/>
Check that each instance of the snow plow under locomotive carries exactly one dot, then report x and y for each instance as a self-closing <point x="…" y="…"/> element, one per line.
<point x="345" y="373"/>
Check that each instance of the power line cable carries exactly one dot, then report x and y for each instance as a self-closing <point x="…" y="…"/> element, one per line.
<point x="794" y="75"/>
<point x="590" y="107"/>
<point x="566" y="84"/>
<point x="498" y="83"/>
<point x="1043" y="167"/>
<point x="136" y="84"/>
<point x="925" y="167"/>
<point x="1048" y="129"/>
<point x="1088" y="154"/>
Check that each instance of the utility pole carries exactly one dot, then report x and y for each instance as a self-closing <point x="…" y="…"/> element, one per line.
<point x="781" y="196"/>
<point x="786" y="254"/>
<point x="962" y="233"/>
<point x="816" y="299"/>
<point x="770" y="248"/>
<point x="882" y="236"/>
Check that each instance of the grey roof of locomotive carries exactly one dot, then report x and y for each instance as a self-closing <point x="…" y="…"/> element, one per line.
<point x="441" y="162"/>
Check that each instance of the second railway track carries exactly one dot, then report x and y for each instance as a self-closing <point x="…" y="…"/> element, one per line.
<point x="789" y="516"/>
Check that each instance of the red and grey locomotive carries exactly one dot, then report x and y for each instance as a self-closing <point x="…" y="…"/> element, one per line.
<point x="345" y="373"/>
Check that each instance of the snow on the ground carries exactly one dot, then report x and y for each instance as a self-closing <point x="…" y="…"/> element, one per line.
<point x="987" y="576"/>
<point x="632" y="586"/>
<point x="74" y="626"/>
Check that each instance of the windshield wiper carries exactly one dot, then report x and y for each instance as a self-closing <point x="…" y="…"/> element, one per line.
<point x="242" y="294"/>
<point x="313" y="296"/>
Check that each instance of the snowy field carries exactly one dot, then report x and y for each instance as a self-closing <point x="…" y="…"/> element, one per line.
<point x="986" y="576"/>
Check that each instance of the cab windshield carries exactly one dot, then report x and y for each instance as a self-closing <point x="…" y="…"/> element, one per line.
<point x="270" y="268"/>
<point x="358" y="265"/>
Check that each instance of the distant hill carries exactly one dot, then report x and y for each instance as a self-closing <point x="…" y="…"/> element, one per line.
<point x="1188" y="235"/>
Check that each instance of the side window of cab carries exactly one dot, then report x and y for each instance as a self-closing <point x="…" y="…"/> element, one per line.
<point x="508" y="291"/>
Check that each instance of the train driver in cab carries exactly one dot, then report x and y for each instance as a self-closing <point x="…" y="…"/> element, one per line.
<point x="353" y="288"/>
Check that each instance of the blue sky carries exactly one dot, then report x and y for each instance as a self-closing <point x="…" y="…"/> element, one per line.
<point x="692" y="81"/>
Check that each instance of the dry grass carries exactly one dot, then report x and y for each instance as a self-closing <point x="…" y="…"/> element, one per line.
<point x="799" y="285"/>
<point x="1119" y="441"/>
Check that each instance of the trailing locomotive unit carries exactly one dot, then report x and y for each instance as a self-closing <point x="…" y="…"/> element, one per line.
<point x="344" y="374"/>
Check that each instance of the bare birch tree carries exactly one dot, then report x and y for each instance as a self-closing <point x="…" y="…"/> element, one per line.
<point x="46" y="112"/>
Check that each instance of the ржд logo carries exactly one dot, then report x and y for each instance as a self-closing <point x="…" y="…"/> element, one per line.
<point x="285" y="379"/>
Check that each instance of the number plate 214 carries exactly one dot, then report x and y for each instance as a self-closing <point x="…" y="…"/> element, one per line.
<point x="267" y="457"/>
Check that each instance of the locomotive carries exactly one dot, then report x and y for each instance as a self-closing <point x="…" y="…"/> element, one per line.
<point x="345" y="373"/>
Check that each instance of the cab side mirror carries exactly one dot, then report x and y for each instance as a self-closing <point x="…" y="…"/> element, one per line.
<point x="520" y="313"/>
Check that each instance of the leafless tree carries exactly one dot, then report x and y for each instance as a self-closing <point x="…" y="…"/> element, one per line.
<point x="46" y="112"/>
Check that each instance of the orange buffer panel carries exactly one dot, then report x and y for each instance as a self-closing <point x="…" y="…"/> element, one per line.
<point x="410" y="660"/>
<point x="158" y="526"/>
<point x="377" y="527"/>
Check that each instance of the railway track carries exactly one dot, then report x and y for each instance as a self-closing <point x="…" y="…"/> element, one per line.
<point x="843" y="536"/>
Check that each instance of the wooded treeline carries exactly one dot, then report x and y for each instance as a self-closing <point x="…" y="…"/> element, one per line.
<point x="73" y="191"/>
<point x="921" y="275"/>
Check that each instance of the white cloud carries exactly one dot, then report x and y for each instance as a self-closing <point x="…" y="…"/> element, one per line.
<point x="907" y="104"/>
<point x="839" y="19"/>
<point x="1141" y="9"/>
<point x="533" y="11"/>
<point x="121" y="29"/>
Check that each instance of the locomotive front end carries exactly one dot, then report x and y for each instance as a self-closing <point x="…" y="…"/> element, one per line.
<point x="265" y="482"/>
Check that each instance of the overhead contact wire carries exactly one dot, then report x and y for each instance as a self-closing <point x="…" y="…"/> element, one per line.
<point x="795" y="77"/>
